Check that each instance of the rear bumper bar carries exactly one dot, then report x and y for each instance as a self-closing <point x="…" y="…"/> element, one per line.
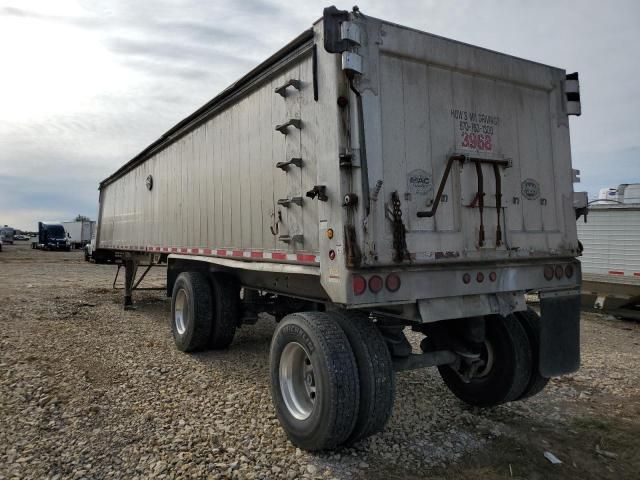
<point x="465" y="280"/>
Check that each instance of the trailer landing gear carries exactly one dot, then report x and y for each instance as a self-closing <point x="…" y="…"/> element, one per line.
<point x="130" y="269"/>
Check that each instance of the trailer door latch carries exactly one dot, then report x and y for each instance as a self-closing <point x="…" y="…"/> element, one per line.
<point x="350" y="200"/>
<point x="318" y="191"/>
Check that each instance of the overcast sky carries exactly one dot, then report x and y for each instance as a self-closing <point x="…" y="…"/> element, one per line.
<point x="87" y="84"/>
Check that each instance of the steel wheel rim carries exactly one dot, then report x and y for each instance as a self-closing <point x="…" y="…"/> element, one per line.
<point x="488" y="356"/>
<point x="297" y="381"/>
<point x="181" y="311"/>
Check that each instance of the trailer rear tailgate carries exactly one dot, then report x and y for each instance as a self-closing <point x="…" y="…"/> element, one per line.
<point x="430" y="99"/>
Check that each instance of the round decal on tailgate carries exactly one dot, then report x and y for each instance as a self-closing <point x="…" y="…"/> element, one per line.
<point x="419" y="182"/>
<point x="530" y="189"/>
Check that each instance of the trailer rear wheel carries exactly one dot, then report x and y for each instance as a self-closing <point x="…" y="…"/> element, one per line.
<point x="314" y="380"/>
<point x="191" y="312"/>
<point x="226" y="310"/>
<point x="375" y="373"/>
<point x="507" y="369"/>
<point x="530" y="320"/>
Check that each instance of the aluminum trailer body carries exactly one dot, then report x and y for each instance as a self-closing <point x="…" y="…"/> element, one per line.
<point x="368" y="168"/>
<point x="611" y="258"/>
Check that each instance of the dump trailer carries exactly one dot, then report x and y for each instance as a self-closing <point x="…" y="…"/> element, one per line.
<point x="367" y="178"/>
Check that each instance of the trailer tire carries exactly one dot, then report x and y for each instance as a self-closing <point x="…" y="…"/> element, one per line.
<point x="226" y="310"/>
<point x="191" y="312"/>
<point x="530" y="320"/>
<point x="314" y="380"/>
<point x="509" y="363"/>
<point x="375" y="373"/>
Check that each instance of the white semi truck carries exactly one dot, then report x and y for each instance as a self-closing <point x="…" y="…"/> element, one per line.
<point x="367" y="178"/>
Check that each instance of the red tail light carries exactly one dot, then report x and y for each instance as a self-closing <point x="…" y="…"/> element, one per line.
<point x="375" y="283"/>
<point x="359" y="284"/>
<point x="559" y="271"/>
<point x="393" y="282"/>
<point x="568" y="271"/>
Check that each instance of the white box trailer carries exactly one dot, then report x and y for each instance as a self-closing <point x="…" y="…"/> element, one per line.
<point x="611" y="258"/>
<point x="372" y="177"/>
<point x="79" y="232"/>
<point x="7" y="234"/>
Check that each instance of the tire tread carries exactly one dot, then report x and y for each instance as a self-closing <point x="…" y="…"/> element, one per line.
<point x="201" y="293"/>
<point x="500" y="389"/>
<point x="342" y="374"/>
<point x="375" y="371"/>
<point x="225" y="312"/>
<point x="531" y="323"/>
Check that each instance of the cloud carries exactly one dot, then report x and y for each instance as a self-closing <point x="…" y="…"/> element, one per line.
<point x="92" y="82"/>
<point x="176" y="57"/>
<point x="76" y="21"/>
<point x="599" y="170"/>
<point x="27" y="200"/>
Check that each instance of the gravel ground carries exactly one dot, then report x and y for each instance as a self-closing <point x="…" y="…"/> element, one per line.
<point x="88" y="390"/>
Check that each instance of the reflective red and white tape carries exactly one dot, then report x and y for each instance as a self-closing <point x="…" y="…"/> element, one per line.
<point x="236" y="254"/>
<point x="620" y="273"/>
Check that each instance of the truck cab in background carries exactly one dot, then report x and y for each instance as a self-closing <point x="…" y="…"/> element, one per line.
<point x="98" y="256"/>
<point x="51" y="236"/>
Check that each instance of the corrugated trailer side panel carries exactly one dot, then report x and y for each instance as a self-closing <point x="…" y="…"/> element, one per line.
<point x="611" y="238"/>
<point x="218" y="187"/>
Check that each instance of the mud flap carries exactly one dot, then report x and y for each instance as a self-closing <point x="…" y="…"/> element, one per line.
<point x="559" y="332"/>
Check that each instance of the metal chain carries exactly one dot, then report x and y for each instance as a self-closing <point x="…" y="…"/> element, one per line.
<point x="399" y="231"/>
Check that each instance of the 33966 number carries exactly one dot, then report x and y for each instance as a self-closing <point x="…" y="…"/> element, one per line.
<point x="477" y="141"/>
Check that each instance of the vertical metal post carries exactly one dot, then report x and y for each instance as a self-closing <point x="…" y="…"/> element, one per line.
<point x="130" y="269"/>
